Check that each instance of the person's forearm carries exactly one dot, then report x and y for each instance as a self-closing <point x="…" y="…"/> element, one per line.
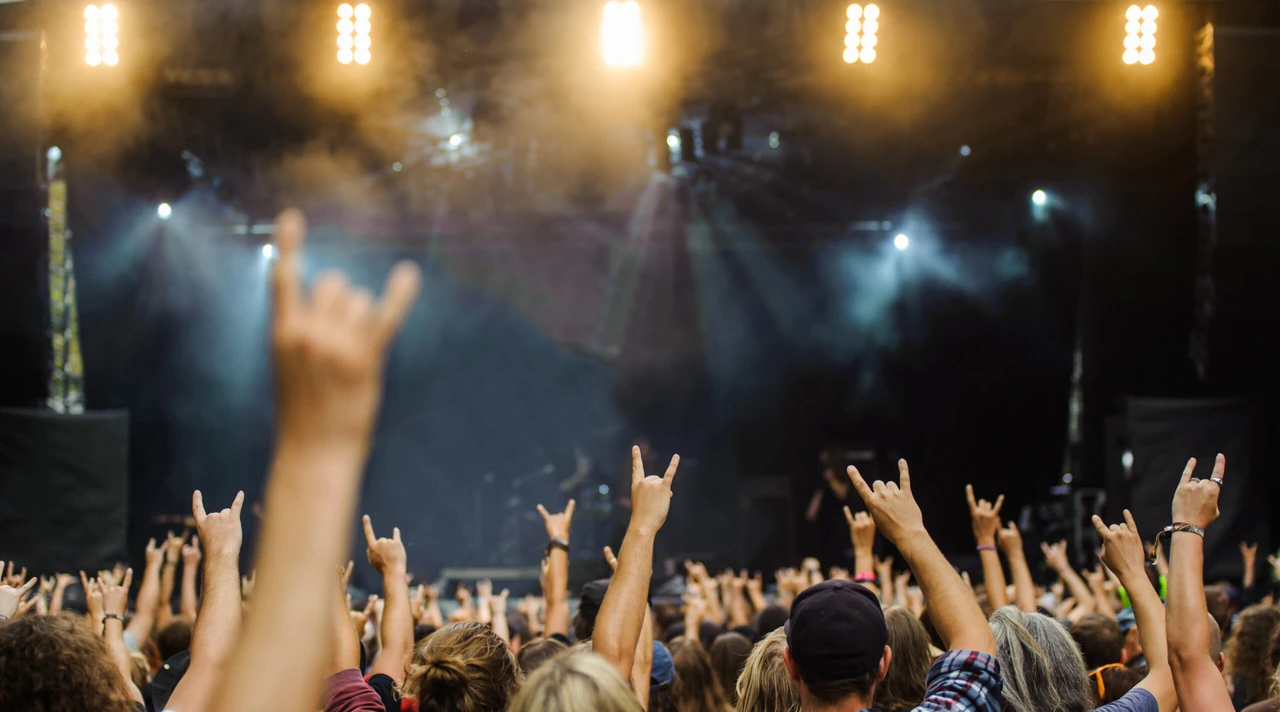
<point x="1149" y="616"/>
<point x="1102" y="600"/>
<point x="993" y="577"/>
<point x="622" y="613"/>
<point x="642" y="668"/>
<point x="144" y="616"/>
<point x="715" y="613"/>
<point x="864" y="561"/>
<point x="214" y="636"/>
<point x="55" y="600"/>
<point x="1188" y="614"/>
<point x="113" y="632"/>
<point x="1250" y="576"/>
<point x="396" y="626"/>
<point x="758" y="602"/>
<point x="557" y="592"/>
<point x="188" y="595"/>
<point x="1079" y="589"/>
<point x="952" y="607"/>
<point x="739" y="611"/>
<point x="1024" y="587"/>
<point x="164" y="609"/>
<point x="280" y="661"/>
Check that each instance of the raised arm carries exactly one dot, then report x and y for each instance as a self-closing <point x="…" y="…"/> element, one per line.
<point x="329" y="349"/>
<point x="388" y="558"/>
<point x="1123" y="554"/>
<point x="114" y="599"/>
<point x="148" y="600"/>
<point x="1055" y="555"/>
<point x="190" y="568"/>
<point x="862" y="534"/>
<point x="622" y="612"/>
<point x="216" y="630"/>
<point x="556" y="581"/>
<point x="1199" y="684"/>
<point x="951" y="605"/>
<point x="1249" y="555"/>
<point x="1024" y="587"/>
<point x="172" y="554"/>
<point x="61" y="581"/>
<point x="985" y="517"/>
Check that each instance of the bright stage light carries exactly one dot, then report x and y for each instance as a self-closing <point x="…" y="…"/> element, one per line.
<point x="455" y="140"/>
<point x="860" y="34"/>
<point x="673" y="142"/>
<point x="163" y="211"/>
<point x="354" y="42"/>
<point x="1140" y="34"/>
<point x="268" y="251"/>
<point x="101" y="28"/>
<point x="1040" y="198"/>
<point x="622" y="34"/>
<point x="901" y="241"/>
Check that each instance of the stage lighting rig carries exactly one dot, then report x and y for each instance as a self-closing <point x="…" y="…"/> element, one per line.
<point x="860" y="33"/>
<point x="354" y="25"/>
<point x="101" y="35"/>
<point x="1140" y="34"/>
<point x="622" y="34"/>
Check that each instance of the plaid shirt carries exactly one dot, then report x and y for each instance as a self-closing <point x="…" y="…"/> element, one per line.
<point x="963" y="681"/>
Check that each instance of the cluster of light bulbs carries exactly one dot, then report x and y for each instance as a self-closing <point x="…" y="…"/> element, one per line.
<point x="860" y="33"/>
<point x="1140" y="34"/>
<point x="622" y="34"/>
<point x="101" y="41"/>
<point x="353" y="34"/>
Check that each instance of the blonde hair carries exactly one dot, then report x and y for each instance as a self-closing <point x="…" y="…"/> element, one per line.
<point x="765" y="685"/>
<point x="576" y="681"/>
<point x="904" y="686"/>
<point x="463" y="667"/>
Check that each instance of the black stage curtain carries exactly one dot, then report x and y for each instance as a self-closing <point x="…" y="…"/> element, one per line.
<point x="63" y="489"/>
<point x="1163" y="434"/>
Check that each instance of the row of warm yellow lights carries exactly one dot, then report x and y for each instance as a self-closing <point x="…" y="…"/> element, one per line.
<point x="860" y="33"/>
<point x="1140" y="34"/>
<point x="100" y="40"/>
<point x="353" y="35"/>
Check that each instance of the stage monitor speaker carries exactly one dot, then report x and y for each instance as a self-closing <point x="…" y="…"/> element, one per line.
<point x="64" y="493"/>
<point x="1163" y="434"/>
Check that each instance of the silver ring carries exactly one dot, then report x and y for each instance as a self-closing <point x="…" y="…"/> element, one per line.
<point x="1216" y="480"/>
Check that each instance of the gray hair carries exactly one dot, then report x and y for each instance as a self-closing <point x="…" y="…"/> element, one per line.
<point x="1042" y="667"/>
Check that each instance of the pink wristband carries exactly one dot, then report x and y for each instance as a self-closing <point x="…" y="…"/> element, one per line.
<point x="864" y="576"/>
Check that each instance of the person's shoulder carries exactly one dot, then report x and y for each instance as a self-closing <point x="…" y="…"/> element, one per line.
<point x="955" y="662"/>
<point x="1136" y="700"/>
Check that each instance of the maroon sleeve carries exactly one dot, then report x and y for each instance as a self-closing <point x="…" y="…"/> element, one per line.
<point x="347" y="692"/>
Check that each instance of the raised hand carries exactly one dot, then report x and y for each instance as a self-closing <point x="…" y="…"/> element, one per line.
<point x="418" y="602"/>
<point x="1196" y="500"/>
<point x="329" y="348"/>
<point x="173" y="547"/>
<point x="385" y="555"/>
<point x="893" y="508"/>
<point x="1055" y="555"/>
<point x="220" y="530"/>
<point x="92" y="598"/>
<point x="985" y="517"/>
<point x="1122" y="549"/>
<point x="650" y="496"/>
<point x="10" y="597"/>
<point x="191" y="553"/>
<point x="154" y="554"/>
<point x="15" y="579"/>
<point x="1010" y="538"/>
<point x="755" y="585"/>
<point x="558" y="524"/>
<point x="115" y="597"/>
<point x="862" y="529"/>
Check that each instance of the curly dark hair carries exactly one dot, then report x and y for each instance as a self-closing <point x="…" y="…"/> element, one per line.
<point x="1249" y="651"/>
<point x="57" y="664"/>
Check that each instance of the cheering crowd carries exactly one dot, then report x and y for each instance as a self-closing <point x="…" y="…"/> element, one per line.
<point x="1138" y="634"/>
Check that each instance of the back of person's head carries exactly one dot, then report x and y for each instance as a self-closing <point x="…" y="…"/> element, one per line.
<point x="1024" y="666"/>
<point x="1275" y="665"/>
<point x="696" y="687"/>
<point x="1112" y="681"/>
<point x="1100" y="640"/>
<point x="728" y="654"/>
<point x="578" y="681"/>
<point x="57" y="664"/>
<point x="837" y="642"/>
<point x="764" y="685"/>
<point x="1219" y="604"/>
<point x="1066" y="666"/>
<point x="666" y="614"/>
<point x="173" y="638"/>
<point x="463" y="667"/>
<point x="589" y="602"/>
<point x="532" y="656"/>
<point x="1249" y="651"/>
<point x="903" y="687"/>
<point x="770" y="619"/>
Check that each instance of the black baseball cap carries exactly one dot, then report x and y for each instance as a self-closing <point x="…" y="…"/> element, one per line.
<point x="836" y="631"/>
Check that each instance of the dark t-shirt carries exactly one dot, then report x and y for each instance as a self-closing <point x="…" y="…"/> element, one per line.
<point x="386" y="689"/>
<point x="1135" y="700"/>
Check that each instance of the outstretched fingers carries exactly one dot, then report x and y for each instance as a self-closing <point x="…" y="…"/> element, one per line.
<point x="670" y="475"/>
<point x="1128" y="520"/>
<point x="1187" y="471"/>
<point x="859" y="484"/>
<point x="904" y="476"/>
<point x="369" y="537"/>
